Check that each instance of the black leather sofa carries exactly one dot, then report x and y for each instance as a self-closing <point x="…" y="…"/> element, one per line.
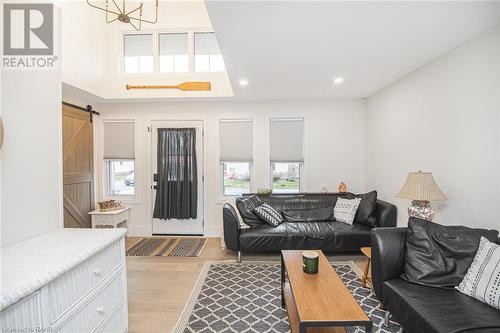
<point x="418" y="308"/>
<point x="327" y="236"/>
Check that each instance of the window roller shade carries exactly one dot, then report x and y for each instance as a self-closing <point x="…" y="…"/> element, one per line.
<point x="287" y="140"/>
<point x="205" y="43"/>
<point x="236" y="138"/>
<point x="174" y="44"/>
<point x="138" y="45"/>
<point x="119" y="140"/>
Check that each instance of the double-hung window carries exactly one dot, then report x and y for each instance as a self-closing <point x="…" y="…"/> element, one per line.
<point x="286" y="154"/>
<point x="138" y="53"/>
<point x="119" y="158"/>
<point x="236" y="155"/>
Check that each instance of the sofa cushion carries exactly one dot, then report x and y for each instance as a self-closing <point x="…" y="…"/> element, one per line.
<point x="351" y="237"/>
<point x="263" y="238"/>
<point x="246" y="206"/>
<point x="309" y="215"/>
<point x="269" y="215"/>
<point x="433" y="310"/>
<point x="439" y="256"/>
<point x="366" y="210"/>
<point x="328" y="236"/>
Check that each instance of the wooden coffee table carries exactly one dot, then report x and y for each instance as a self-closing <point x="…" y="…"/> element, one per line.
<point x="317" y="301"/>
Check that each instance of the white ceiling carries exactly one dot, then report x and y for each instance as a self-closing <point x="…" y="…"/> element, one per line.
<point x="294" y="49"/>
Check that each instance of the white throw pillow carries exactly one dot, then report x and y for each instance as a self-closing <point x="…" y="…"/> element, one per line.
<point x="345" y="209"/>
<point x="269" y="215"/>
<point x="482" y="280"/>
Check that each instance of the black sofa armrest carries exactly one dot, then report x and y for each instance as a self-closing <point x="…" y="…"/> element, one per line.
<point x="386" y="214"/>
<point x="388" y="256"/>
<point x="231" y="227"/>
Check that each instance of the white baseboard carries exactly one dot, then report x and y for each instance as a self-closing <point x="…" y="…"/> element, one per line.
<point x="145" y="231"/>
<point x="139" y="231"/>
<point x="213" y="232"/>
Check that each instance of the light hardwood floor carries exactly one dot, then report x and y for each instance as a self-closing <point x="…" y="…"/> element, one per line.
<point x="159" y="287"/>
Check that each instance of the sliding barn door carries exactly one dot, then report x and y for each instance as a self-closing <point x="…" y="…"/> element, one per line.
<point x="78" y="168"/>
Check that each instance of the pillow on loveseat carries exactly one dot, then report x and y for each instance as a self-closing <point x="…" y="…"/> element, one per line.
<point x="269" y="215"/>
<point x="366" y="211"/>
<point x="345" y="210"/>
<point x="246" y="206"/>
<point x="309" y="215"/>
<point x="438" y="255"/>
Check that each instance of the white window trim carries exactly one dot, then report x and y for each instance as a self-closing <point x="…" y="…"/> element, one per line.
<point x="255" y="155"/>
<point x="159" y="56"/>
<point x="194" y="55"/>
<point x="106" y="184"/>
<point x="304" y="168"/>
<point x="156" y="54"/>
<point x="156" y="59"/>
<point x="102" y="185"/>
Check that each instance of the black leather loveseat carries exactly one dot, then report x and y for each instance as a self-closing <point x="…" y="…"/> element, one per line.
<point x="325" y="235"/>
<point x="423" y="309"/>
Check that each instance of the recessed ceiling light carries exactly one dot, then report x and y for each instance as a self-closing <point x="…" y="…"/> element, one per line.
<point x="338" y="80"/>
<point x="243" y="82"/>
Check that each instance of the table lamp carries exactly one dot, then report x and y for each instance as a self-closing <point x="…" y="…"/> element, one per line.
<point x="421" y="188"/>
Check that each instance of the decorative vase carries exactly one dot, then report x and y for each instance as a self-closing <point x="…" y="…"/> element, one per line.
<point x="421" y="209"/>
<point x="310" y="261"/>
<point x="342" y="187"/>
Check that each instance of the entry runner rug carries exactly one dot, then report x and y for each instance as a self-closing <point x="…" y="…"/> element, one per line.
<point x="167" y="247"/>
<point x="246" y="297"/>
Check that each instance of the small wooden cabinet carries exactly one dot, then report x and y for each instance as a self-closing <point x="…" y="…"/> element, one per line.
<point x="114" y="218"/>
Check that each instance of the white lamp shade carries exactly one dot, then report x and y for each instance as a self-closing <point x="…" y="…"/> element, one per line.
<point x="421" y="186"/>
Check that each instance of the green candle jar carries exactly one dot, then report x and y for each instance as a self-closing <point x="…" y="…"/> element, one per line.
<point x="310" y="261"/>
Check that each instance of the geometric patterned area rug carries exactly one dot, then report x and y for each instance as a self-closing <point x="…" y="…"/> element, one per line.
<point x="246" y="297"/>
<point x="167" y="247"/>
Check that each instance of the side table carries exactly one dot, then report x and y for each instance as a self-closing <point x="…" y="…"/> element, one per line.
<point x="367" y="251"/>
<point x="114" y="218"/>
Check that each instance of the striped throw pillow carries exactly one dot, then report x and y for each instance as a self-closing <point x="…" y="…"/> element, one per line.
<point x="345" y="210"/>
<point x="269" y="215"/>
<point x="482" y="280"/>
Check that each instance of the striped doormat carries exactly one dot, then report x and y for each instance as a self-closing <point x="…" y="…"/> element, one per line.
<point x="167" y="247"/>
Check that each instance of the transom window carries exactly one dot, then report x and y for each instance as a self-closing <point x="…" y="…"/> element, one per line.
<point x="173" y="49"/>
<point x="207" y="55"/>
<point x="138" y="53"/>
<point x="171" y="52"/>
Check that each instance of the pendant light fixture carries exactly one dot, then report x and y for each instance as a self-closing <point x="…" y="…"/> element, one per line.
<point x="125" y="15"/>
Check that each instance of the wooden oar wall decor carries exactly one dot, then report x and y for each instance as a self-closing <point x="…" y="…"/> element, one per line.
<point x="185" y="86"/>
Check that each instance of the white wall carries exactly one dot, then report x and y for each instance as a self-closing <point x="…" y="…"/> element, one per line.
<point x="31" y="191"/>
<point x="443" y="118"/>
<point x="92" y="51"/>
<point x="334" y="133"/>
